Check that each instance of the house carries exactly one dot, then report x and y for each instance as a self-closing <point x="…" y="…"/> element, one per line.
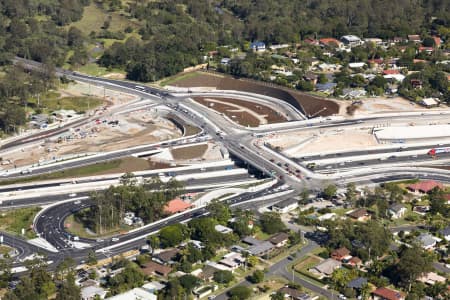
<point x="153" y="286"/>
<point x="207" y="273"/>
<point x="294" y="294"/>
<point x="135" y="294"/>
<point x="431" y="278"/>
<point x="310" y="76"/>
<point x="329" y="67"/>
<point x="176" y="206"/>
<point x="351" y="40"/>
<point x="232" y="260"/>
<point x="415" y="38"/>
<point x="258" y="46"/>
<point x="311" y="41"/>
<point x="427" y="50"/>
<point x="279" y="239"/>
<point x="326" y="267"/>
<point x="223" y="229"/>
<point x="424" y="186"/>
<point x="387" y="294"/>
<point x="340" y="254"/>
<point x="327" y="216"/>
<point x="359" y="214"/>
<point x="445" y="233"/>
<point x="165" y="257"/>
<point x="437" y="41"/>
<point x="353" y="93"/>
<point x="357" y="283"/>
<point x="375" y="41"/>
<point x="429" y="102"/>
<point x="153" y="268"/>
<point x="326" y="88"/>
<point x="262" y="249"/>
<point x="330" y="42"/>
<point x="391" y="72"/>
<point x="354" y="261"/>
<point x="92" y="292"/>
<point x="225" y="61"/>
<point x="251" y="241"/>
<point x="285" y="206"/>
<point x="427" y="241"/>
<point x="416" y="83"/>
<point x="356" y="65"/>
<point x="396" y="211"/>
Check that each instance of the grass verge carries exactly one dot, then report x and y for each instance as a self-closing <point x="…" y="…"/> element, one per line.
<point x="174" y="79"/>
<point x="14" y="220"/>
<point x="127" y="164"/>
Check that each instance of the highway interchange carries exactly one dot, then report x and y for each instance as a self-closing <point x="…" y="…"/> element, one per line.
<point x="240" y="143"/>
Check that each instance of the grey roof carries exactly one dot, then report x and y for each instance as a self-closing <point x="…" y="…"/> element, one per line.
<point x="261" y="248"/>
<point x="445" y="231"/>
<point x="325" y="86"/>
<point x="251" y="241"/>
<point x="357" y="283"/>
<point x="426" y="239"/>
<point x="286" y="203"/>
<point x="396" y="207"/>
<point x="327" y="266"/>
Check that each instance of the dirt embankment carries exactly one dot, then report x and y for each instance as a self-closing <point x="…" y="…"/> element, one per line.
<point x="310" y="105"/>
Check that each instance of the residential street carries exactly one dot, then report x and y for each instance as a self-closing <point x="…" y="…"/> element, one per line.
<point x="280" y="269"/>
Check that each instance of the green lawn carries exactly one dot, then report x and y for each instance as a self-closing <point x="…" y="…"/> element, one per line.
<point x="75" y="172"/>
<point x="77" y="229"/>
<point x="78" y="104"/>
<point x="173" y="79"/>
<point x="14" y="220"/>
<point x="94" y="18"/>
<point x="96" y="70"/>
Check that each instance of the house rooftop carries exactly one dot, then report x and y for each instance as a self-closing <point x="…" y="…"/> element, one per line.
<point x="278" y="238"/>
<point x="396" y="207"/>
<point x="357" y="283"/>
<point x="388" y="294"/>
<point x="425" y="186"/>
<point x="342" y="252"/>
<point x="251" y="241"/>
<point x="261" y="248"/>
<point x="167" y="255"/>
<point x="176" y="205"/>
<point x="152" y="267"/>
<point x="327" y="266"/>
<point x="358" y="213"/>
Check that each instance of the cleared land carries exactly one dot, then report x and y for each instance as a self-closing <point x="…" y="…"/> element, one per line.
<point x="76" y="228"/>
<point x="246" y="113"/>
<point x="189" y="152"/>
<point x="233" y="112"/>
<point x="310" y="105"/>
<point x="15" y="220"/>
<point x="101" y="135"/>
<point x="296" y="144"/>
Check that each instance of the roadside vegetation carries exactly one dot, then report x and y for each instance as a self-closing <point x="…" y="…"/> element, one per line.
<point x="124" y="165"/>
<point x="15" y="220"/>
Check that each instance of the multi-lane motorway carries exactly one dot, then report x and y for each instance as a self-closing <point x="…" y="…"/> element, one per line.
<point x="240" y="142"/>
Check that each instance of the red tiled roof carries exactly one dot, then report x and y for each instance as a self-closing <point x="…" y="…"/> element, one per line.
<point x="390" y="72"/>
<point x="437" y="41"/>
<point x="151" y="267"/>
<point x="416" y="61"/>
<point x="389" y="294"/>
<point x="425" y="186"/>
<point x="375" y="61"/>
<point x="327" y="41"/>
<point x="341" y="252"/>
<point x="176" y="205"/>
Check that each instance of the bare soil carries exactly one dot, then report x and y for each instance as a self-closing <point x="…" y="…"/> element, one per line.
<point x="312" y="106"/>
<point x="269" y="114"/>
<point x="189" y="152"/>
<point x="134" y="164"/>
<point x="241" y="117"/>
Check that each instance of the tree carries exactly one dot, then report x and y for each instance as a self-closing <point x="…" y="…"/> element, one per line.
<point x="240" y="292"/>
<point x="69" y="290"/>
<point x="189" y="282"/>
<point x="92" y="258"/>
<point x="219" y="211"/>
<point x="223" y="276"/>
<point x="277" y="296"/>
<point x="413" y="262"/>
<point x="304" y="197"/>
<point x="329" y="191"/>
<point x="172" y="235"/>
<point x="271" y="223"/>
<point x="350" y="195"/>
<point x="257" y="276"/>
<point x="252" y="260"/>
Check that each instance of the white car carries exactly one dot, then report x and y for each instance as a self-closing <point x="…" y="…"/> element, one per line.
<point x="72" y="195"/>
